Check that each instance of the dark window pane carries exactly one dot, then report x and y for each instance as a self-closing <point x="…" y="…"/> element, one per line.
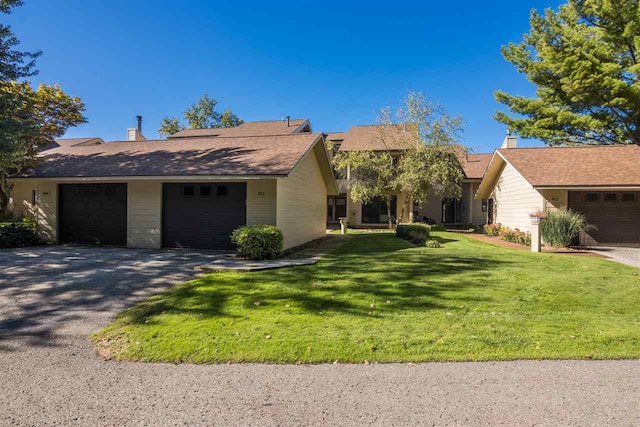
<point x="189" y="190"/>
<point x="592" y="197"/>
<point x="628" y="197"/>
<point x="222" y="190"/>
<point x="610" y="197"/>
<point x="205" y="190"/>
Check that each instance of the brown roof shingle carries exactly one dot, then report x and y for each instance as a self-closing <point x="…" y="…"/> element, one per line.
<point x="613" y="165"/>
<point x="475" y="165"/>
<point x="267" y="155"/>
<point x="376" y="138"/>
<point x="266" y="128"/>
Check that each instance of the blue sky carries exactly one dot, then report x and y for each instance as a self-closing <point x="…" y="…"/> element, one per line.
<point x="336" y="63"/>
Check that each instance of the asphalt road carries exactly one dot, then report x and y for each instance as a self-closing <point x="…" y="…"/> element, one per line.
<point x="52" y="298"/>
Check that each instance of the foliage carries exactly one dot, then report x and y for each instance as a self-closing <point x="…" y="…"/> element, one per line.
<point x="559" y="228"/>
<point x="414" y="233"/>
<point x="438" y="227"/>
<point x="429" y="163"/>
<point x="380" y="299"/>
<point x="515" y="236"/>
<point x="258" y="242"/>
<point x="584" y="60"/>
<point x="29" y="121"/>
<point x="169" y="126"/>
<point x="200" y="115"/>
<point x="433" y="244"/>
<point x="14" y="64"/>
<point x="18" y="234"/>
<point x="492" y="230"/>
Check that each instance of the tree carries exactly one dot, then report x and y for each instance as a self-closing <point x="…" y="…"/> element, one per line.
<point x="428" y="165"/>
<point x="29" y="121"/>
<point x="200" y="115"/>
<point x="169" y="126"/>
<point x="14" y="64"/>
<point x="584" y="60"/>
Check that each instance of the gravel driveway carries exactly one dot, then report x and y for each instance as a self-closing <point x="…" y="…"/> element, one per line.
<point x="52" y="298"/>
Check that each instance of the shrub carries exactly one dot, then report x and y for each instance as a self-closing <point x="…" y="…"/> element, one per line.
<point x="492" y="229"/>
<point x="438" y="227"/>
<point x="18" y="234"/>
<point x="257" y="242"/>
<point x="559" y="228"/>
<point x="515" y="236"/>
<point x="415" y="233"/>
<point x="433" y="244"/>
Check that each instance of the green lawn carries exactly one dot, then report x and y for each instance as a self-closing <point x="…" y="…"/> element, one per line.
<point x="378" y="298"/>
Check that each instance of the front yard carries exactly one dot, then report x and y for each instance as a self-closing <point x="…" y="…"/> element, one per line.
<point x="378" y="298"/>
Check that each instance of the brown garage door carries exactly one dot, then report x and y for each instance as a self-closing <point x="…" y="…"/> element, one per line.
<point x="616" y="214"/>
<point x="202" y="215"/>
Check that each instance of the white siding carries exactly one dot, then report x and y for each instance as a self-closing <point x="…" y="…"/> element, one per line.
<point x="514" y="199"/>
<point x="556" y="199"/>
<point x="261" y="202"/>
<point x="301" y="211"/>
<point x="144" y="205"/>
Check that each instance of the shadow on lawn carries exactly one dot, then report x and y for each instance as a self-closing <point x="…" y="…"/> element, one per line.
<point x="348" y="281"/>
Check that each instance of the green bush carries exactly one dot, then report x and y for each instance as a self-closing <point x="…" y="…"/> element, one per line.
<point x="559" y="228"/>
<point x="257" y="242"/>
<point x="18" y="234"/>
<point x="438" y="227"/>
<point x="492" y="229"/>
<point x="433" y="244"/>
<point x="415" y="233"/>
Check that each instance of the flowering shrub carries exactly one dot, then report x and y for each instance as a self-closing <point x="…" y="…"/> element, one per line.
<point x="515" y="236"/>
<point x="492" y="229"/>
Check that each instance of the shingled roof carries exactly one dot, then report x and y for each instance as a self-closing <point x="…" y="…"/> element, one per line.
<point x="609" y="165"/>
<point x="476" y="165"/>
<point x="265" y="128"/>
<point x="376" y="138"/>
<point x="262" y="155"/>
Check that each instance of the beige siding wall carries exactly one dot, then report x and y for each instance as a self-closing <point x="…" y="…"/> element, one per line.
<point x="556" y="199"/>
<point x="144" y="206"/>
<point x="46" y="210"/>
<point x="301" y="208"/>
<point x="514" y="199"/>
<point x="262" y="202"/>
<point x="475" y="214"/>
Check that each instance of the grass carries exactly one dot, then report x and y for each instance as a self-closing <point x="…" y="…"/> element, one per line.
<point x="378" y="298"/>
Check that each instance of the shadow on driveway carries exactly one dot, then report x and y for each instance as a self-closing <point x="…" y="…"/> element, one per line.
<point x="50" y="292"/>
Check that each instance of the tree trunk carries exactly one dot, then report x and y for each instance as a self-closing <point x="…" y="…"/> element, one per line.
<point x="5" y="192"/>
<point x="389" y="213"/>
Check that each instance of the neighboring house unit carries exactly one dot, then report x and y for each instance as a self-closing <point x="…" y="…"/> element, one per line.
<point x="602" y="182"/>
<point x="191" y="190"/>
<point x="449" y="211"/>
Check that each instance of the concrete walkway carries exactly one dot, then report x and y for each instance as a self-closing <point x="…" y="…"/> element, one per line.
<point x="308" y="256"/>
<point x="628" y="256"/>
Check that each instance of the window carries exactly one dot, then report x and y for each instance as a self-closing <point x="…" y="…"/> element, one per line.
<point x="376" y="212"/>
<point x="222" y="190"/>
<point x="592" y="197"/>
<point x="205" y="190"/>
<point x="628" y="197"/>
<point x="611" y="197"/>
<point x="188" y="190"/>
<point x="484" y="205"/>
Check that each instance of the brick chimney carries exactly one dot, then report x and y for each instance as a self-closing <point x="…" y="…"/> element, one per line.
<point x="510" y="141"/>
<point x="135" y="134"/>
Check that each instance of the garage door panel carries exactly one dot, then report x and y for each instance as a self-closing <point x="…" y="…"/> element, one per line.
<point x="93" y="213"/>
<point x="202" y="218"/>
<point x="617" y="218"/>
